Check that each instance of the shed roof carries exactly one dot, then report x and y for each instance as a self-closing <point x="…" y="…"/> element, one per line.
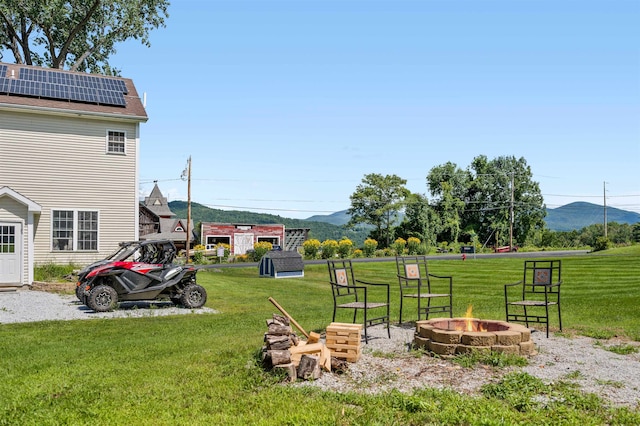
<point x="285" y="261"/>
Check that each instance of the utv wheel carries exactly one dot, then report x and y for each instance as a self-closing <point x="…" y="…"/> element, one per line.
<point x="102" y="298"/>
<point x="80" y="293"/>
<point x="194" y="296"/>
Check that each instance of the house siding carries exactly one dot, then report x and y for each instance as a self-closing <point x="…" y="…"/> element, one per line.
<point x="60" y="162"/>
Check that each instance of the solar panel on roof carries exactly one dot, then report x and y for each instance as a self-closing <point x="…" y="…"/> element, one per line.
<point x="4" y="84"/>
<point x="25" y="87"/>
<point x="111" y="97"/>
<point x="55" y="91"/>
<point x="63" y="85"/>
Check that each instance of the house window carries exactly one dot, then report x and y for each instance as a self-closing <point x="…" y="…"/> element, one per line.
<point x="74" y="230"/>
<point x="115" y="142"/>
<point x="7" y="239"/>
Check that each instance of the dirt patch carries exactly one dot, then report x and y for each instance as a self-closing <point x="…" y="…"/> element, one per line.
<point x="57" y="287"/>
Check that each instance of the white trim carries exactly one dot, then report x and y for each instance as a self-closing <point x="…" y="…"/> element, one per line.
<point x="31" y="206"/>
<point x="124" y="142"/>
<point x="74" y="242"/>
<point x="136" y="200"/>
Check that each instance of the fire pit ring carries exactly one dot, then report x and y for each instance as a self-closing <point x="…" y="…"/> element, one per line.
<point x="453" y="336"/>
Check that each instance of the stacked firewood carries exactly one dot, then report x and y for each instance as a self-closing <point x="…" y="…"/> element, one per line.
<point x="299" y="359"/>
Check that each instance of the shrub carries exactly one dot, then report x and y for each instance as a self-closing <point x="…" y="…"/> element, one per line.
<point x="345" y="246"/>
<point x="602" y="243"/>
<point x="370" y="246"/>
<point x="311" y="248"/>
<point x="260" y="249"/>
<point x="413" y="245"/>
<point x="329" y="249"/>
<point x="357" y="253"/>
<point x="398" y="246"/>
<point x="52" y="272"/>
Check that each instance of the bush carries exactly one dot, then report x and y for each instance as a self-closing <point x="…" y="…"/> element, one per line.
<point x="329" y="249"/>
<point x="370" y="246"/>
<point x="413" y="245"/>
<point x="357" y="253"/>
<point x="311" y="248"/>
<point x="602" y="243"/>
<point x="260" y="249"/>
<point x="51" y="272"/>
<point x="345" y="246"/>
<point x="398" y="246"/>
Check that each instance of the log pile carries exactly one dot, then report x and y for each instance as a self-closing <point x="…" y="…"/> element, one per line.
<point x="304" y="359"/>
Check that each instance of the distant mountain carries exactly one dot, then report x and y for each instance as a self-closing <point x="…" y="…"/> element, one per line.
<point x="338" y="218"/>
<point x="574" y="216"/>
<point x="320" y="230"/>
<point x="578" y="215"/>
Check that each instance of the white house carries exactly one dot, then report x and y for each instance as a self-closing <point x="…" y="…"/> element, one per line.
<point x="69" y="147"/>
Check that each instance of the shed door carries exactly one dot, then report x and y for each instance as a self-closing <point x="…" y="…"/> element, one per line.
<point x="242" y="243"/>
<point x="10" y="253"/>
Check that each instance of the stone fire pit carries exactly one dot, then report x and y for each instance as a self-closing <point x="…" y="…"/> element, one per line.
<point x="452" y="336"/>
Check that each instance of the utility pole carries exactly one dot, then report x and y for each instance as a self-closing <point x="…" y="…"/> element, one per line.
<point x="511" y="214"/>
<point x="187" y="174"/>
<point x="605" y="207"/>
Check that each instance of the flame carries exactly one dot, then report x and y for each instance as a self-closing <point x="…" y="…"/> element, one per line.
<point x="469" y="323"/>
<point x="468" y="316"/>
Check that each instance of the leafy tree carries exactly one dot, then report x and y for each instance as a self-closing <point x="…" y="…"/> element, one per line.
<point x="378" y="201"/>
<point x="502" y="193"/>
<point x="420" y="220"/>
<point x="77" y="34"/>
<point x="449" y="186"/>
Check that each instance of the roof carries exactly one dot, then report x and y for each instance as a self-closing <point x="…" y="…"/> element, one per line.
<point x="66" y="92"/>
<point x="285" y="261"/>
<point x="158" y="204"/>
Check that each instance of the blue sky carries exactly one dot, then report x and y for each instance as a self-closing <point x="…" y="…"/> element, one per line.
<point x="284" y="106"/>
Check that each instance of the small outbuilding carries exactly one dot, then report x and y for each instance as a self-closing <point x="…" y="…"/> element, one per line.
<point x="281" y="264"/>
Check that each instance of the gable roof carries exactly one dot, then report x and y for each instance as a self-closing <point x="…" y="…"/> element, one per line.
<point x="48" y="90"/>
<point x="31" y="205"/>
<point x="158" y="204"/>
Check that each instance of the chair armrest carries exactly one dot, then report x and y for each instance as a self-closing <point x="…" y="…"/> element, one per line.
<point x="512" y="284"/>
<point x="441" y="276"/>
<point x="370" y="283"/>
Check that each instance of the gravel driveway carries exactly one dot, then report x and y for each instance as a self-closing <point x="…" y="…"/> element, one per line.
<point x="616" y="378"/>
<point x="30" y="306"/>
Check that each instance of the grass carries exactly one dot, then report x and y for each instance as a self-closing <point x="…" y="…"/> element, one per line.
<point x="203" y="369"/>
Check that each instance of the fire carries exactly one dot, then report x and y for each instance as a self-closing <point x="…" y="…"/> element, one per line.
<point x="469" y="323"/>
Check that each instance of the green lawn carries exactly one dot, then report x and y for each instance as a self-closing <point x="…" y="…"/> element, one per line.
<point x="203" y="369"/>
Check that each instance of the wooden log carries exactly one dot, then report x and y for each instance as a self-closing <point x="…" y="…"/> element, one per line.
<point x="307" y="349"/>
<point x="277" y="342"/>
<point x="289" y="369"/>
<point x="278" y="357"/>
<point x="279" y="329"/>
<point x="338" y="365"/>
<point x="309" y="367"/>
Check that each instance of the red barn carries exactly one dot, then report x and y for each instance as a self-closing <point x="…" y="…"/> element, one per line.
<point x="241" y="236"/>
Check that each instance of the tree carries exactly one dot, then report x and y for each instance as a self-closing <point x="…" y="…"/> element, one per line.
<point x="502" y="198"/>
<point x="77" y="34"/>
<point x="378" y="201"/>
<point x="449" y="184"/>
<point x="419" y="220"/>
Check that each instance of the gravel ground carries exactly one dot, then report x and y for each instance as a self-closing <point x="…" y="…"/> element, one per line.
<point x="616" y="378"/>
<point x="387" y="363"/>
<point x="30" y="306"/>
